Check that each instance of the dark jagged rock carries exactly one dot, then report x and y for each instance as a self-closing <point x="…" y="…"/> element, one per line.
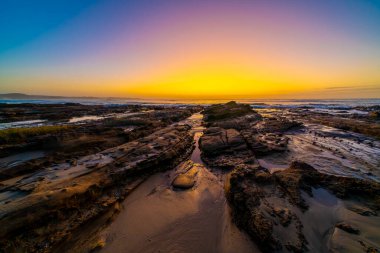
<point x="250" y="189"/>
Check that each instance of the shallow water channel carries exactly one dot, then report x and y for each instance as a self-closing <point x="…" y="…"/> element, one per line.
<point x="158" y="218"/>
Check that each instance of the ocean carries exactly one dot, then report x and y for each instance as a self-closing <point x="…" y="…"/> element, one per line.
<point x="255" y="103"/>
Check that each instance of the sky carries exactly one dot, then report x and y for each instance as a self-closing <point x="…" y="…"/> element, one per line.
<point x="191" y="48"/>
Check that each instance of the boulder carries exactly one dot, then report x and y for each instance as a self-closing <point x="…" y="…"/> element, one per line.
<point x="225" y="149"/>
<point x="217" y="140"/>
<point x="187" y="179"/>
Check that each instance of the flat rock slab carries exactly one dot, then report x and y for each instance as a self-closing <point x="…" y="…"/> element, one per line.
<point x="89" y="190"/>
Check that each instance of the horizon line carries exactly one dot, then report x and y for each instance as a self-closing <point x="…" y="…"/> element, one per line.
<point x="53" y="97"/>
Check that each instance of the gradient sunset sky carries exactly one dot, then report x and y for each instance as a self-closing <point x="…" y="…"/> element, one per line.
<point x="191" y="48"/>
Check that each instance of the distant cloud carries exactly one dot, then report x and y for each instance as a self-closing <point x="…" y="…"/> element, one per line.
<point x="354" y="87"/>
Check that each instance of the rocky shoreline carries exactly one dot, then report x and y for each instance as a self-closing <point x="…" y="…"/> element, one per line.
<point x="67" y="142"/>
<point x="271" y="207"/>
<point x="293" y="182"/>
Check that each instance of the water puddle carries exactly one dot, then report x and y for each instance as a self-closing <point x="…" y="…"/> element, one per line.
<point x="85" y="118"/>
<point x="26" y="123"/>
<point x="88" y="118"/>
<point x="13" y="160"/>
